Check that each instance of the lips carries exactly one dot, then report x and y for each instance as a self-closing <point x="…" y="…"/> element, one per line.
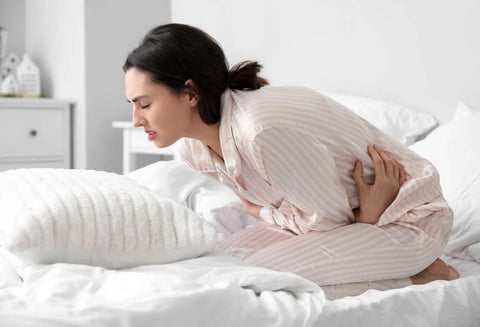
<point x="151" y="135"/>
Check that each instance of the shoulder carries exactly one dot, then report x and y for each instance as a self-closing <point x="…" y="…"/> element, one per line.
<point x="269" y="96"/>
<point x="267" y="107"/>
<point x="274" y="107"/>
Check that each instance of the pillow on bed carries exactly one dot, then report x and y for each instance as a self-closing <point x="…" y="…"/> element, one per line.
<point x="95" y="218"/>
<point x="405" y="124"/>
<point x="212" y="201"/>
<point x="454" y="150"/>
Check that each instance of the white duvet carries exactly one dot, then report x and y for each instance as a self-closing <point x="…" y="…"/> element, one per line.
<point x="219" y="290"/>
<point x="214" y="290"/>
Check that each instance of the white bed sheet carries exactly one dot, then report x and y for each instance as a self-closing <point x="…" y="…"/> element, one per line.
<point x="213" y="290"/>
<point x="440" y="303"/>
<point x="219" y="290"/>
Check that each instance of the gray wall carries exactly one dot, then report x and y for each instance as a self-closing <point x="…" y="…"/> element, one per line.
<point x="80" y="47"/>
<point x="113" y="29"/>
<point x="12" y="17"/>
<point x="420" y="53"/>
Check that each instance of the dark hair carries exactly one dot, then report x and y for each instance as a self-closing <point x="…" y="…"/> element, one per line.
<point x="174" y="53"/>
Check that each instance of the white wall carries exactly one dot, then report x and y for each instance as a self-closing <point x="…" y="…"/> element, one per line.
<point x="420" y="53"/>
<point x="80" y="47"/>
<point x="12" y="17"/>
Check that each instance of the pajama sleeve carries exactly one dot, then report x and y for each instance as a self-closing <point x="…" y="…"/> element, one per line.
<point x="299" y="166"/>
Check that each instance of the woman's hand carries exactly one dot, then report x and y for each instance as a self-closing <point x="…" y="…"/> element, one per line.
<point x="251" y="208"/>
<point x="375" y="199"/>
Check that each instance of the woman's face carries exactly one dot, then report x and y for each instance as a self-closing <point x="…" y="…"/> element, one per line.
<point x="165" y="116"/>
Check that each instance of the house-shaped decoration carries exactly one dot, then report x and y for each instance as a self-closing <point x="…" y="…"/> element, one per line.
<point x="9" y="65"/>
<point x="9" y="86"/>
<point x="28" y="78"/>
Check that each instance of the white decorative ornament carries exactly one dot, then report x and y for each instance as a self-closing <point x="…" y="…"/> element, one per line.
<point x="9" y="65"/>
<point x="28" y="78"/>
<point x="9" y="86"/>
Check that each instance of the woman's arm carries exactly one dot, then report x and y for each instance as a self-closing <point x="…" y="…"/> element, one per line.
<point x="375" y="198"/>
<point x="304" y="174"/>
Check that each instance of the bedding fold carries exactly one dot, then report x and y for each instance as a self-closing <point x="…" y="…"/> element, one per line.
<point x="208" y="291"/>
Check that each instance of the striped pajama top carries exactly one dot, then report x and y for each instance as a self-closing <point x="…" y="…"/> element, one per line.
<point x="291" y="150"/>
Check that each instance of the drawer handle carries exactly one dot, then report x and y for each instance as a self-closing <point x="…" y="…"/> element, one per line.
<point x="33" y="132"/>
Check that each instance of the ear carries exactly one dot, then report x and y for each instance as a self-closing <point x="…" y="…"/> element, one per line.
<point x="191" y="92"/>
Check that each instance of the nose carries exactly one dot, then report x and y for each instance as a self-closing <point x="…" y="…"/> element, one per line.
<point x="137" y="119"/>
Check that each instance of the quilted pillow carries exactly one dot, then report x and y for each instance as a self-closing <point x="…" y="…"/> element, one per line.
<point x="95" y="218"/>
<point x="405" y="124"/>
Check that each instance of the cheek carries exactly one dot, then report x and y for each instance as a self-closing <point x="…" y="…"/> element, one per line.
<point x="163" y="118"/>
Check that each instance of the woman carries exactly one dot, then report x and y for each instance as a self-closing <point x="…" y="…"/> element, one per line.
<point x="339" y="202"/>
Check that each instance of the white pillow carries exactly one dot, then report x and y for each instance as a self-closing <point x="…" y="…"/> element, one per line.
<point x="173" y="179"/>
<point x="454" y="150"/>
<point x="212" y="201"/>
<point x="405" y="124"/>
<point x="95" y="218"/>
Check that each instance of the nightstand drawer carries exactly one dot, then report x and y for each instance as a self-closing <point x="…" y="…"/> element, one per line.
<point x="32" y="133"/>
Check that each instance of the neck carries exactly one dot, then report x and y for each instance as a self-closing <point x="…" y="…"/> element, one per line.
<point x="207" y="134"/>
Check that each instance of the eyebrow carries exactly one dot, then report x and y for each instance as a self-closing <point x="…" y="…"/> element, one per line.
<point x="138" y="98"/>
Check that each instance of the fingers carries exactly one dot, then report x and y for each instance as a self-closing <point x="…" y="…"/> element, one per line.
<point x="392" y="168"/>
<point x="357" y="175"/>
<point x="377" y="162"/>
<point x="387" y="161"/>
<point x="402" y="176"/>
<point x="396" y="172"/>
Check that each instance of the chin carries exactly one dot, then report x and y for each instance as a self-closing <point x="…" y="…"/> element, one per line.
<point x="163" y="143"/>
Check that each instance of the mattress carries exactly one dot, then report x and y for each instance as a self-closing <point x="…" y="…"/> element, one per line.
<point x="220" y="290"/>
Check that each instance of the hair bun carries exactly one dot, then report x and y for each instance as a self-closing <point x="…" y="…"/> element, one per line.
<point x="243" y="76"/>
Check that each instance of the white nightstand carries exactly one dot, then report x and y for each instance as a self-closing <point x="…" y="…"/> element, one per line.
<point x="35" y="133"/>
<point x="135" y="141"/>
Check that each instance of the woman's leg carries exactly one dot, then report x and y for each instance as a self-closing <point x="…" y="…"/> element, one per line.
<point x="361" y="255"/>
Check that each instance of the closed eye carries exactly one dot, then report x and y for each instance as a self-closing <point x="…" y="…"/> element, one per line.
<point x="145" y="106"/>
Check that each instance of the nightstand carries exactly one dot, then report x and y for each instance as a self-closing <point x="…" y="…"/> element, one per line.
<point x="135" y="142"/>
<point x="35" y="133"/>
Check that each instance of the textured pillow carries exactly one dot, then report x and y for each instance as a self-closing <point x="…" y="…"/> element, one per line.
<point x="453" y="149"/>
<point x="96" y="218"/>
<point x="405" y="124"/>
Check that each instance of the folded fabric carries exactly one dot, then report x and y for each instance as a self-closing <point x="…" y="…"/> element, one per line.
<point x="405" y="124"/>
<point x="453" y="149"/>
<point x="217" y="290"/>
<point x="95" y="218"/>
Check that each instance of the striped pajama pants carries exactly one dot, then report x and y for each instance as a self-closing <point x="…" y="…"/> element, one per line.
<point x="349" y="259"/>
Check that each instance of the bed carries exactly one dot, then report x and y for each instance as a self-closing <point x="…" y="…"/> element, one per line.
<point x="203" y="287"/>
